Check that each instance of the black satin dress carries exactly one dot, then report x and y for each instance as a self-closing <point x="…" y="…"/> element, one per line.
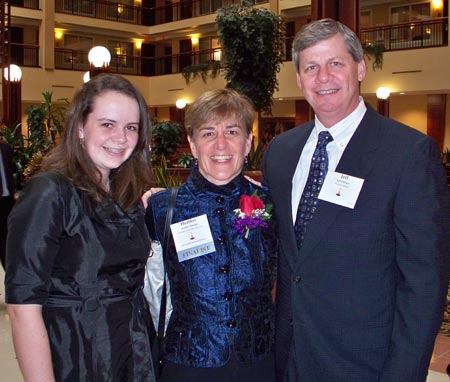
<point x="84" y="263"/>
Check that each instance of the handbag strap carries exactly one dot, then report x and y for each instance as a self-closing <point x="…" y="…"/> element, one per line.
<point x="166" y="237"/>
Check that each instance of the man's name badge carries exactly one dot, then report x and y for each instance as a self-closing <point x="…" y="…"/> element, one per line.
<point x="192" y="238"/>
<point x="341" y="189"/>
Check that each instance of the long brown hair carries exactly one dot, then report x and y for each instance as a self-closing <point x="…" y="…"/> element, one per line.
<point x="127" y="182"/>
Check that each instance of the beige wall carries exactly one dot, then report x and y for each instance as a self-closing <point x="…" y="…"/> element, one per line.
<point x="410" y="110"/>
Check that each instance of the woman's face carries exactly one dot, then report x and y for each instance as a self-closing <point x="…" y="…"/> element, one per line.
<point x="111" y="131"/>
<point x="220" y="147"/>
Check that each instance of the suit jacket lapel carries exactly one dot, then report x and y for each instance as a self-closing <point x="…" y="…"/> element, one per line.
<point x="357" y="161"/>
<point x="292" y="152"/>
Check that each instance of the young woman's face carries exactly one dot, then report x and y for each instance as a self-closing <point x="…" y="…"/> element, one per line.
<point x="220" y="148"/>
<point x="111" y="131"/>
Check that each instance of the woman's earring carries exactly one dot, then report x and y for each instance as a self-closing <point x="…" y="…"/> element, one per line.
<point x="194" y="162"/>
<point x="82" y="142"/>
<point x="246" y="164"/>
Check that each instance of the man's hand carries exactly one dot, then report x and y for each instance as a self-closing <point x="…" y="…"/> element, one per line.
<point x="148" y="194"/>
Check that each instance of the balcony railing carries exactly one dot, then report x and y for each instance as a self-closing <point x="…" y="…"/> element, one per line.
<point x="134" y="65"/>
<point x="431" y="33"/>
<point x="423" y="34"/>
<point x="108" y="10"/>
<point x="24" y="54"/>
<point x="31" y="4"/>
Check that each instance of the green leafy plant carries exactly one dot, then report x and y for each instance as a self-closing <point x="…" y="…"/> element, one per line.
<point x="255" y="156"/>
<point x="167" y="137"/>
<point x="192" y="72"/>
<point x="46" y="120"/>
<point x="45" y="123"/>
<point x="446" y="156"/>
<point x="252" y="41"/>
<point x="374" y="52"/>
<point x="185" y="160"/>
<point x="163" y="178"/>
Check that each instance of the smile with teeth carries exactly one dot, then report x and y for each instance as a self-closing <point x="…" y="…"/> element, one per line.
<point x="324" y="92"/>
<point x="113" y="150"/>
<point x="221" y="158"/>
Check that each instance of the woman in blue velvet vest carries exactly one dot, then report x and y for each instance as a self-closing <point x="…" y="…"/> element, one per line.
<point x="222" y="255"/>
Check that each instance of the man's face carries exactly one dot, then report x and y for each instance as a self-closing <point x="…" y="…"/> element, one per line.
<point x="329" y="79"/>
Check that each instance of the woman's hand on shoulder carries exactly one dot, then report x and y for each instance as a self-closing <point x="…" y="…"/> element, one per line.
<point x="149" y="193"/>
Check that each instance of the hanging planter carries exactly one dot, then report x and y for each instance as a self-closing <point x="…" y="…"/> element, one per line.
<point x="192" y="72"/>
<point x="374" y="52"/>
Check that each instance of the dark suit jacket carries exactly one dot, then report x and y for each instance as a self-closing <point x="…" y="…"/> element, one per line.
<point x="363" y="299"/>
<point x="6" y="203"/>
<point x="6" y="152"/>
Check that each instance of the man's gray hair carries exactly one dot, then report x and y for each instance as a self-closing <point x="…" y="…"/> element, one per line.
<point x="324" y="29"/>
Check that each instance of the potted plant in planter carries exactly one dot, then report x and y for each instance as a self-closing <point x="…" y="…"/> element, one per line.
<point x="167" y="137"/>
<point x="45" y="123"/>
<point x="201" y="70"/>
<point x="446" y="157"/>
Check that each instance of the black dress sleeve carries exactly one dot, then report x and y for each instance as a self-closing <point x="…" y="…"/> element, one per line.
<point x="35" y="227"/>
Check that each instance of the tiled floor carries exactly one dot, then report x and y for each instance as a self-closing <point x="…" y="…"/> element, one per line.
<point x="9" y="370"/>
<point x="440" y="360"/>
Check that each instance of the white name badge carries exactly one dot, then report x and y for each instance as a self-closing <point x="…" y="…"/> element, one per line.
<point x="341" y="189"/>
<point x="192" y="238"/>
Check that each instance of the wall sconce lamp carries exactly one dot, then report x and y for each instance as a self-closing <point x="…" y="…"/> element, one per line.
<point x="99" y="59"/>
<point x="194" y="41"/>
<point x="383" y="101"/>
<point x="437" y="4"/>
<point x="58" y="34"/>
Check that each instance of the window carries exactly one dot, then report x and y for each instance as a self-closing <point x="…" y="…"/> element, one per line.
<point x="121" y="52"/>
<point x="410" y="13"/>
<point x="211" y="48"/>
<point x="365" y="19"/>
<point x="78" y="46"/>
<point x="79" y="7"/>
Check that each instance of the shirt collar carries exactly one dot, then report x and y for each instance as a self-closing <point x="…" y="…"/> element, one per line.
<point x="344" y="129"/>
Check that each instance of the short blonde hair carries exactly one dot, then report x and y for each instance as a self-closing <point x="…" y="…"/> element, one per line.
<point x="220" y="104"/>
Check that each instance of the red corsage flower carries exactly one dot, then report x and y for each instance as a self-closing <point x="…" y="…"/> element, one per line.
<point x="252" y="213"/>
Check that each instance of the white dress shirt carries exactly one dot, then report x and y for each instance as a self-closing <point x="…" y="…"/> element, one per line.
<point x="341" y="132"/>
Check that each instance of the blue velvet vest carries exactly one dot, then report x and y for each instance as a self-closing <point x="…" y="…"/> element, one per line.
<point x="222" y="302"/>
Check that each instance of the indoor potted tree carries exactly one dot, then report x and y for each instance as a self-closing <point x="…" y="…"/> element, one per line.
<point x="252" y="41"/>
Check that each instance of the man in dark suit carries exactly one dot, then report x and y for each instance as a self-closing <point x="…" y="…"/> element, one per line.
<point x="6" y="194"/>
<point x="363" y="267"/>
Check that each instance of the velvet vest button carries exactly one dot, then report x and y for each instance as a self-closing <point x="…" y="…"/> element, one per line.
<point x="224" y="269"/>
